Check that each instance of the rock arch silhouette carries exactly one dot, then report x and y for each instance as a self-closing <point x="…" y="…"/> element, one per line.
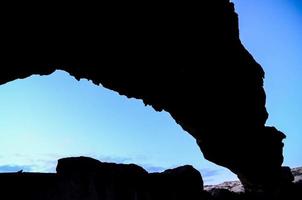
<point x="189" y="62"/>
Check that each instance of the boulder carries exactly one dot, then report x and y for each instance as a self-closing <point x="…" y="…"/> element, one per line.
<point x="84" y="178"/>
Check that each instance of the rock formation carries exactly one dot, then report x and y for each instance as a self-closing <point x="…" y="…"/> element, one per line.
<point x="234" y="190"/>
<point x="237" y="187"/>
<point x="187" y="60"/>
<point x="297" y="173"/>
<point x="232" y="186"/>
<point x="82" y="178"/>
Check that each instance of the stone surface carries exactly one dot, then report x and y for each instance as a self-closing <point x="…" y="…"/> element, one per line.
<point x="233" y="186"/>
<point x="223" y="194"/>
<point x="87" y="178"/>
<point x="180" y="183"/>
<point x="297" y="173"/>
<point x="188" y="60"/>
<point x="228" y="189"/>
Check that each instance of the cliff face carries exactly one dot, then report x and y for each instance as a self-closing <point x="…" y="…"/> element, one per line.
<point x="187" y="60"/>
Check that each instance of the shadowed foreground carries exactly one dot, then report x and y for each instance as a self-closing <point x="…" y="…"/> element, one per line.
<point x="82" y="178"/>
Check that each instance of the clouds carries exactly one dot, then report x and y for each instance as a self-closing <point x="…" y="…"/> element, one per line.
<point x="114" y="159"/>
<point x="27" y="163"/>
<point x="46" y="163"/>
<point x="14" y="168"/>
<point x="210" y="176"/>
<point x="210" y="172"/>
<point x="152" y="169"/>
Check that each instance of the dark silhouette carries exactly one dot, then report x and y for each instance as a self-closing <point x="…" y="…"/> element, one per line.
<point x="187" y="60"/>
<point x="83" y="178"/>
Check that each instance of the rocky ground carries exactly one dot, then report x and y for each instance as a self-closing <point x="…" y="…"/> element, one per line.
<point x="297" y="172"/>
<point x="236" y="186"/>
<point x="233" y="190"/>
<point x="233" y="186"/>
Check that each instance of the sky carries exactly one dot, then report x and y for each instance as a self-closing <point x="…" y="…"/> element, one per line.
<point x="271" y="30"/>
<point x="44" y="118"/>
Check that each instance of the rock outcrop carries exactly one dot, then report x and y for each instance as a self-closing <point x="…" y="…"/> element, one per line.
<point x="234" y="190"/>
<point x="82" y="178"/>
<point x="232" y="186"/>
<point x="237" y="187"/>
<point x="297" y="173"/>
<point x="188" y="60"/>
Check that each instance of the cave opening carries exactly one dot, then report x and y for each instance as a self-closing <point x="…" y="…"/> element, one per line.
<point x="44" y="118"/>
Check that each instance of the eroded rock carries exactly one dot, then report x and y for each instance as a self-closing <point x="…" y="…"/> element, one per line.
<point x="87" y="178"/>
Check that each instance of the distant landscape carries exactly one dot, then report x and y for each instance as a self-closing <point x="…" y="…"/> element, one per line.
<point x="236" y="186"/>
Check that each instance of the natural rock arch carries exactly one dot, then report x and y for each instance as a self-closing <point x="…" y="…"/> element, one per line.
<point x="193" y="66"/>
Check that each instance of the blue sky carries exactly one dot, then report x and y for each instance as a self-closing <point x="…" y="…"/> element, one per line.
<point x="271" y="30"/>
<point x="45" y="118"/>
